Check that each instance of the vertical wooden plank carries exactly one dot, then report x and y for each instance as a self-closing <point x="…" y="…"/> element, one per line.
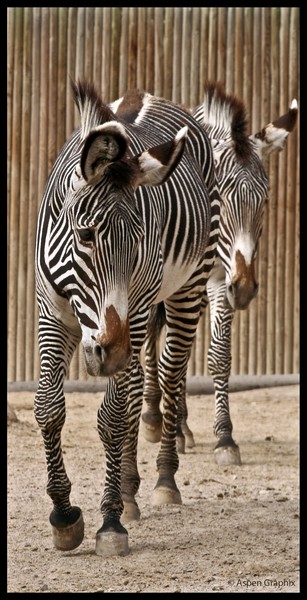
<point x="141" y="48"/>
<point x="203" y="58"/>
<point x="294" y="146"/>
<point x="222" y="44"/>
<point x="80" y="44"/>
<point x="158" y="52"/>
<point x="24" y="194"/>
<point x="238" y="54"/>
<point x="230" y="45"/>
<point x="106" y="53"/>
<point x="186" y="56"/>
<point x="53" y="87"/>
<point x="97" y="55"/>
<point x="176" y="93"/>
<point x="115" y="36"/>
<point x="123" y="65"/>
<point x="18" y="16"/>
<point x="71" y="68"/>
<point x="10" y="209"/>
<point x="276" y="223"/>
<point x="291" y="232"/>
<point x="281" y="200"/>
<point x="247" y="91"/>
<point x="88" y="45"/>
<point x="194" y="58"/>
<point x="212" y="44"/>
<point x="263" y="254"/>
<point x="132" y="50"/>
<point x="10" y="92"/>
<point x="271" y="210"/>
<point x="62" y="79"/>
<point x="168" y="52"/>
<point x="150" y="42"/>
<point x="31" y="345"/>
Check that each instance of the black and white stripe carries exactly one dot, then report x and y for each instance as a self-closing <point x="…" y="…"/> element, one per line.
<point x="243" y="187"/>
<point x="129" y="218"/>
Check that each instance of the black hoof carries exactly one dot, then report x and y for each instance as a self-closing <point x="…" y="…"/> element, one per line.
<point x="67" y="529"/>
<point x="112" y="539"/>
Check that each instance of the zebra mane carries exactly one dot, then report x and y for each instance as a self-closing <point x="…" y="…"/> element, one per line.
<point x="93" y="111"/>
<point x="226" y="114"/>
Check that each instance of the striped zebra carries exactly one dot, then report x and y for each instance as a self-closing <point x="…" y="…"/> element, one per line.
<point x="126" y="221"/>
<point x="243" y="186"/>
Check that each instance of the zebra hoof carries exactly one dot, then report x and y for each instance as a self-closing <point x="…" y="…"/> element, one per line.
<point x="131" y="512"/>
<point x="164" y="495"/>
<point x="69" y="537"/>
<point x="189" y="440"/>
<point x="151" y="427"/>
<point x="227" y="455"/>
<point x="111" y="543"/>
<point x="180" y="443"/>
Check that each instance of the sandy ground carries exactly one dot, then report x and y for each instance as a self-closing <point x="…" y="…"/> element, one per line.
<point x="236" y="531"/>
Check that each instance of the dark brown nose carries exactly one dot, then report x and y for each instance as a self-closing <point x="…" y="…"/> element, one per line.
<point x="242" y="291"/>
<point x="111" y="359"/>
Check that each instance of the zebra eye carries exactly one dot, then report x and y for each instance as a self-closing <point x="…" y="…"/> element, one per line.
<point x="86" y="235"/>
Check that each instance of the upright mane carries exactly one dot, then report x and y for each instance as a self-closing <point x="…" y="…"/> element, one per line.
<point x="93" y="111"/>
<point x="226" y="114"/>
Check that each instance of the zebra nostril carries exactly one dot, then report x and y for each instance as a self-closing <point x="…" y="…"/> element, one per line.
<point x="99" y="352"/>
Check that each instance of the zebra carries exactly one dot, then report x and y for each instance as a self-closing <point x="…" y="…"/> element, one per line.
<point x="232" y="285"/>
<point x="126" y="221"/>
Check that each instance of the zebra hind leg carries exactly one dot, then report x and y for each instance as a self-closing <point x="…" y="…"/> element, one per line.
<point x="182" y="311"/>
<point x="184" y="435"/>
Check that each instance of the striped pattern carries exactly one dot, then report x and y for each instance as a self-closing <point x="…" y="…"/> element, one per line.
<point x="129" y="218"/>
<point x="243" y="186"/>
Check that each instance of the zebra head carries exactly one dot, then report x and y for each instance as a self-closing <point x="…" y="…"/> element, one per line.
<point x="95" y="239"/>
<point x="243" y="184"/>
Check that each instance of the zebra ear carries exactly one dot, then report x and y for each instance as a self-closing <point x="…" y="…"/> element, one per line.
<point x="155" y="165"/>
<point x="104" y="144"/>
<point x="274" y="135"/>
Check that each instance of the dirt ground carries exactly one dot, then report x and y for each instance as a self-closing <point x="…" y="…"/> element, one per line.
<point x="236" y="531"/>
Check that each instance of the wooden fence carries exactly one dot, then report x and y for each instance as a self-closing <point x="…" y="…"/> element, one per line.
<point x="168" y="52"/>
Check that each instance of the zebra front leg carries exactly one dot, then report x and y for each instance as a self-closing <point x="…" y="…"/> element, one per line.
<point x="112" y="537"/>
<point x="49" y="409"/>
<point x="182" y="314"/>
<point x="226" y="451"/>
<point x="130" y="478"/>
<point x="152" y="417"/>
